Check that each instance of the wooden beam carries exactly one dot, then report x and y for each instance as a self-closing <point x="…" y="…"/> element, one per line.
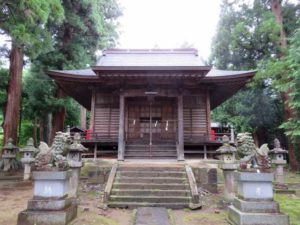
<point x="93" y="102"/>
<point x="121" y="143"/>
<point x="180" y="147"/>
<point x="95" y="152"/>
<point x="83" y="117"/>
<point x="208" y="112"/>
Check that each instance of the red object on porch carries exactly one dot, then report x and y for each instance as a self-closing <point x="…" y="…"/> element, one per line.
<point x="88" y="134"/>
<point x="212" y="135"/>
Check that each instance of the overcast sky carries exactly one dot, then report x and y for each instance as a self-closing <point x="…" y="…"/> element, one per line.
<point x="168" y="24"/>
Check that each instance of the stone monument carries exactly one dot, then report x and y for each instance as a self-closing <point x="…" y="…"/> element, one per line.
<point x="50" y="204"/>
<point x="228" y="165"/>
<point x="278" y="160"/>
<point x="75" y="163"/>
<point x="254" y="203"/>
<point x="9" y="162"/>
<point x="28" y="159"/>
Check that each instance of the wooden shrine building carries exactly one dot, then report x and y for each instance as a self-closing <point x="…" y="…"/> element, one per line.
<point x="151" y="103"/>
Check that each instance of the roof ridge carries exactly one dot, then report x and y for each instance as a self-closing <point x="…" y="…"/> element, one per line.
<point x="149" y="51"/>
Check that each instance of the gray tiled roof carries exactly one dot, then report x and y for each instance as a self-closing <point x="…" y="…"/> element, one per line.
<point x="220" y="73"/>
<point x="149" y="58"/>
<point x="83" y="72"/>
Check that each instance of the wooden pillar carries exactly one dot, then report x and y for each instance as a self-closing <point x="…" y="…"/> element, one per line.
<point x="205" y="152"/>
<point x="121" y="147"/>
<point x="93" y="110"/>
<point x="180" y="146"/>
<point x="83" y="117"/>
<point x="95" y="151"/>
<point x="208" y="112"/>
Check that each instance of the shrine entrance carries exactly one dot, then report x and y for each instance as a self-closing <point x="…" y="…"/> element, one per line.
<point x="151" y="124"/>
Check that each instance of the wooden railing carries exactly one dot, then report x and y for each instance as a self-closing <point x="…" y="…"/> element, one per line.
<point x="96" y="137"/>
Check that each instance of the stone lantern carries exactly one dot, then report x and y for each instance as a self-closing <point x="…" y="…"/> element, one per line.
<point x="75" y="163"/>
<point x="28" y="159"/>
<point x="9" y="157"/>
<point x="278" y="160"/>
<point x="228" y="166"/>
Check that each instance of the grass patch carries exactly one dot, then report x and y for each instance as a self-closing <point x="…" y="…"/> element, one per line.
<point x="207" y="218"/>
<point x="92" y="218"/>
<point x="290" y="204"/>
<point x="291" y="177"/>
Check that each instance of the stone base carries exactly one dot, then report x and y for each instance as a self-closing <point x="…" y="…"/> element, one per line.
<point x="256" y="206"/>
<point x="48" y="217"/>
<point x="238" y="217"/>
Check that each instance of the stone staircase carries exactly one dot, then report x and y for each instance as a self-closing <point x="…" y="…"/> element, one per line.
<point x="148" y="185"/>
<point x="159" y="151"/>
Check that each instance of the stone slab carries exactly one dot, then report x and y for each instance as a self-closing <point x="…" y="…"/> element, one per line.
<point x="63" y="217"/>
<point x="254" y="186"/>
<point x="248" y="176"/>
<point x="151" y="216"/>
<point x="50" y="188"/>
<point x="228" y="166"/>
<point x="241" y="218"/>
<point x="256" y="207"/>
<point x="44" y="204"/>
<point x="51" y="175"/>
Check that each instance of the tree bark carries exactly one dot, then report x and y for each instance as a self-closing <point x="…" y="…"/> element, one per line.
<point x="58" y="118"/>
<point x="288" y="112"/>
<point x="12" y="109"/>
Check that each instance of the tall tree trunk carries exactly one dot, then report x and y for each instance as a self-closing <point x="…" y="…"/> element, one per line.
<point x="12" y="109"/>
<point x="288" y="112"/>
<point x="58" y="118"/>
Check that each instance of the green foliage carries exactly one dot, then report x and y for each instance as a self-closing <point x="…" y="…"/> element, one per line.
<point x="245" y="35"/>
<point x="25" y="22"/>
<point x="285" y="74"/>
<point x="88" y="26"/>
<point x="247" y="38"/>
<point x="3" y="85"/>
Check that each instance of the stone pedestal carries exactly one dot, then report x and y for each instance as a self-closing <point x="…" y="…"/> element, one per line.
<point x="27" y="167"/>
<point x="228" y="172"/>
<point x="254" y="202"/>
<point x="279" y="174"/>
<point x="50" y="204"/>
<point x="74" y="180"/>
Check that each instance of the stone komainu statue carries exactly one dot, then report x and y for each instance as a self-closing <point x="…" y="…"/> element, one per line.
<point x="249" y="153"/>
<point x="54" y="157"/>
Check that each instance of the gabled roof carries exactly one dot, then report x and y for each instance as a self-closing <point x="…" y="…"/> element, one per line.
<point x="150" y="59"/>
<point x="157" y="64"/>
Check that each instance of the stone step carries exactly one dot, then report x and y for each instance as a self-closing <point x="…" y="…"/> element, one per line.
<point x="150" y="199"/>
<point x="142" y="186"/>
<point x="152" y="154"/>
<point x="132" y="205"/>
<point x="152" y="150"/>
<point x="150" y="192"/>
<point x="137" y="174"/>
<point x="152" y="157"/>
<point x="152" y="168"/>
<point x="152" y="180"/>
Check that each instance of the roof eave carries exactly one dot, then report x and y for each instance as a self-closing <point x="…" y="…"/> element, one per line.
<point x="151" y="68"/>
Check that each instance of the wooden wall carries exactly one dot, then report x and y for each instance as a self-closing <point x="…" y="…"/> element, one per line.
<point x="195" y="116"/>
<point x="106" y="118"/>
